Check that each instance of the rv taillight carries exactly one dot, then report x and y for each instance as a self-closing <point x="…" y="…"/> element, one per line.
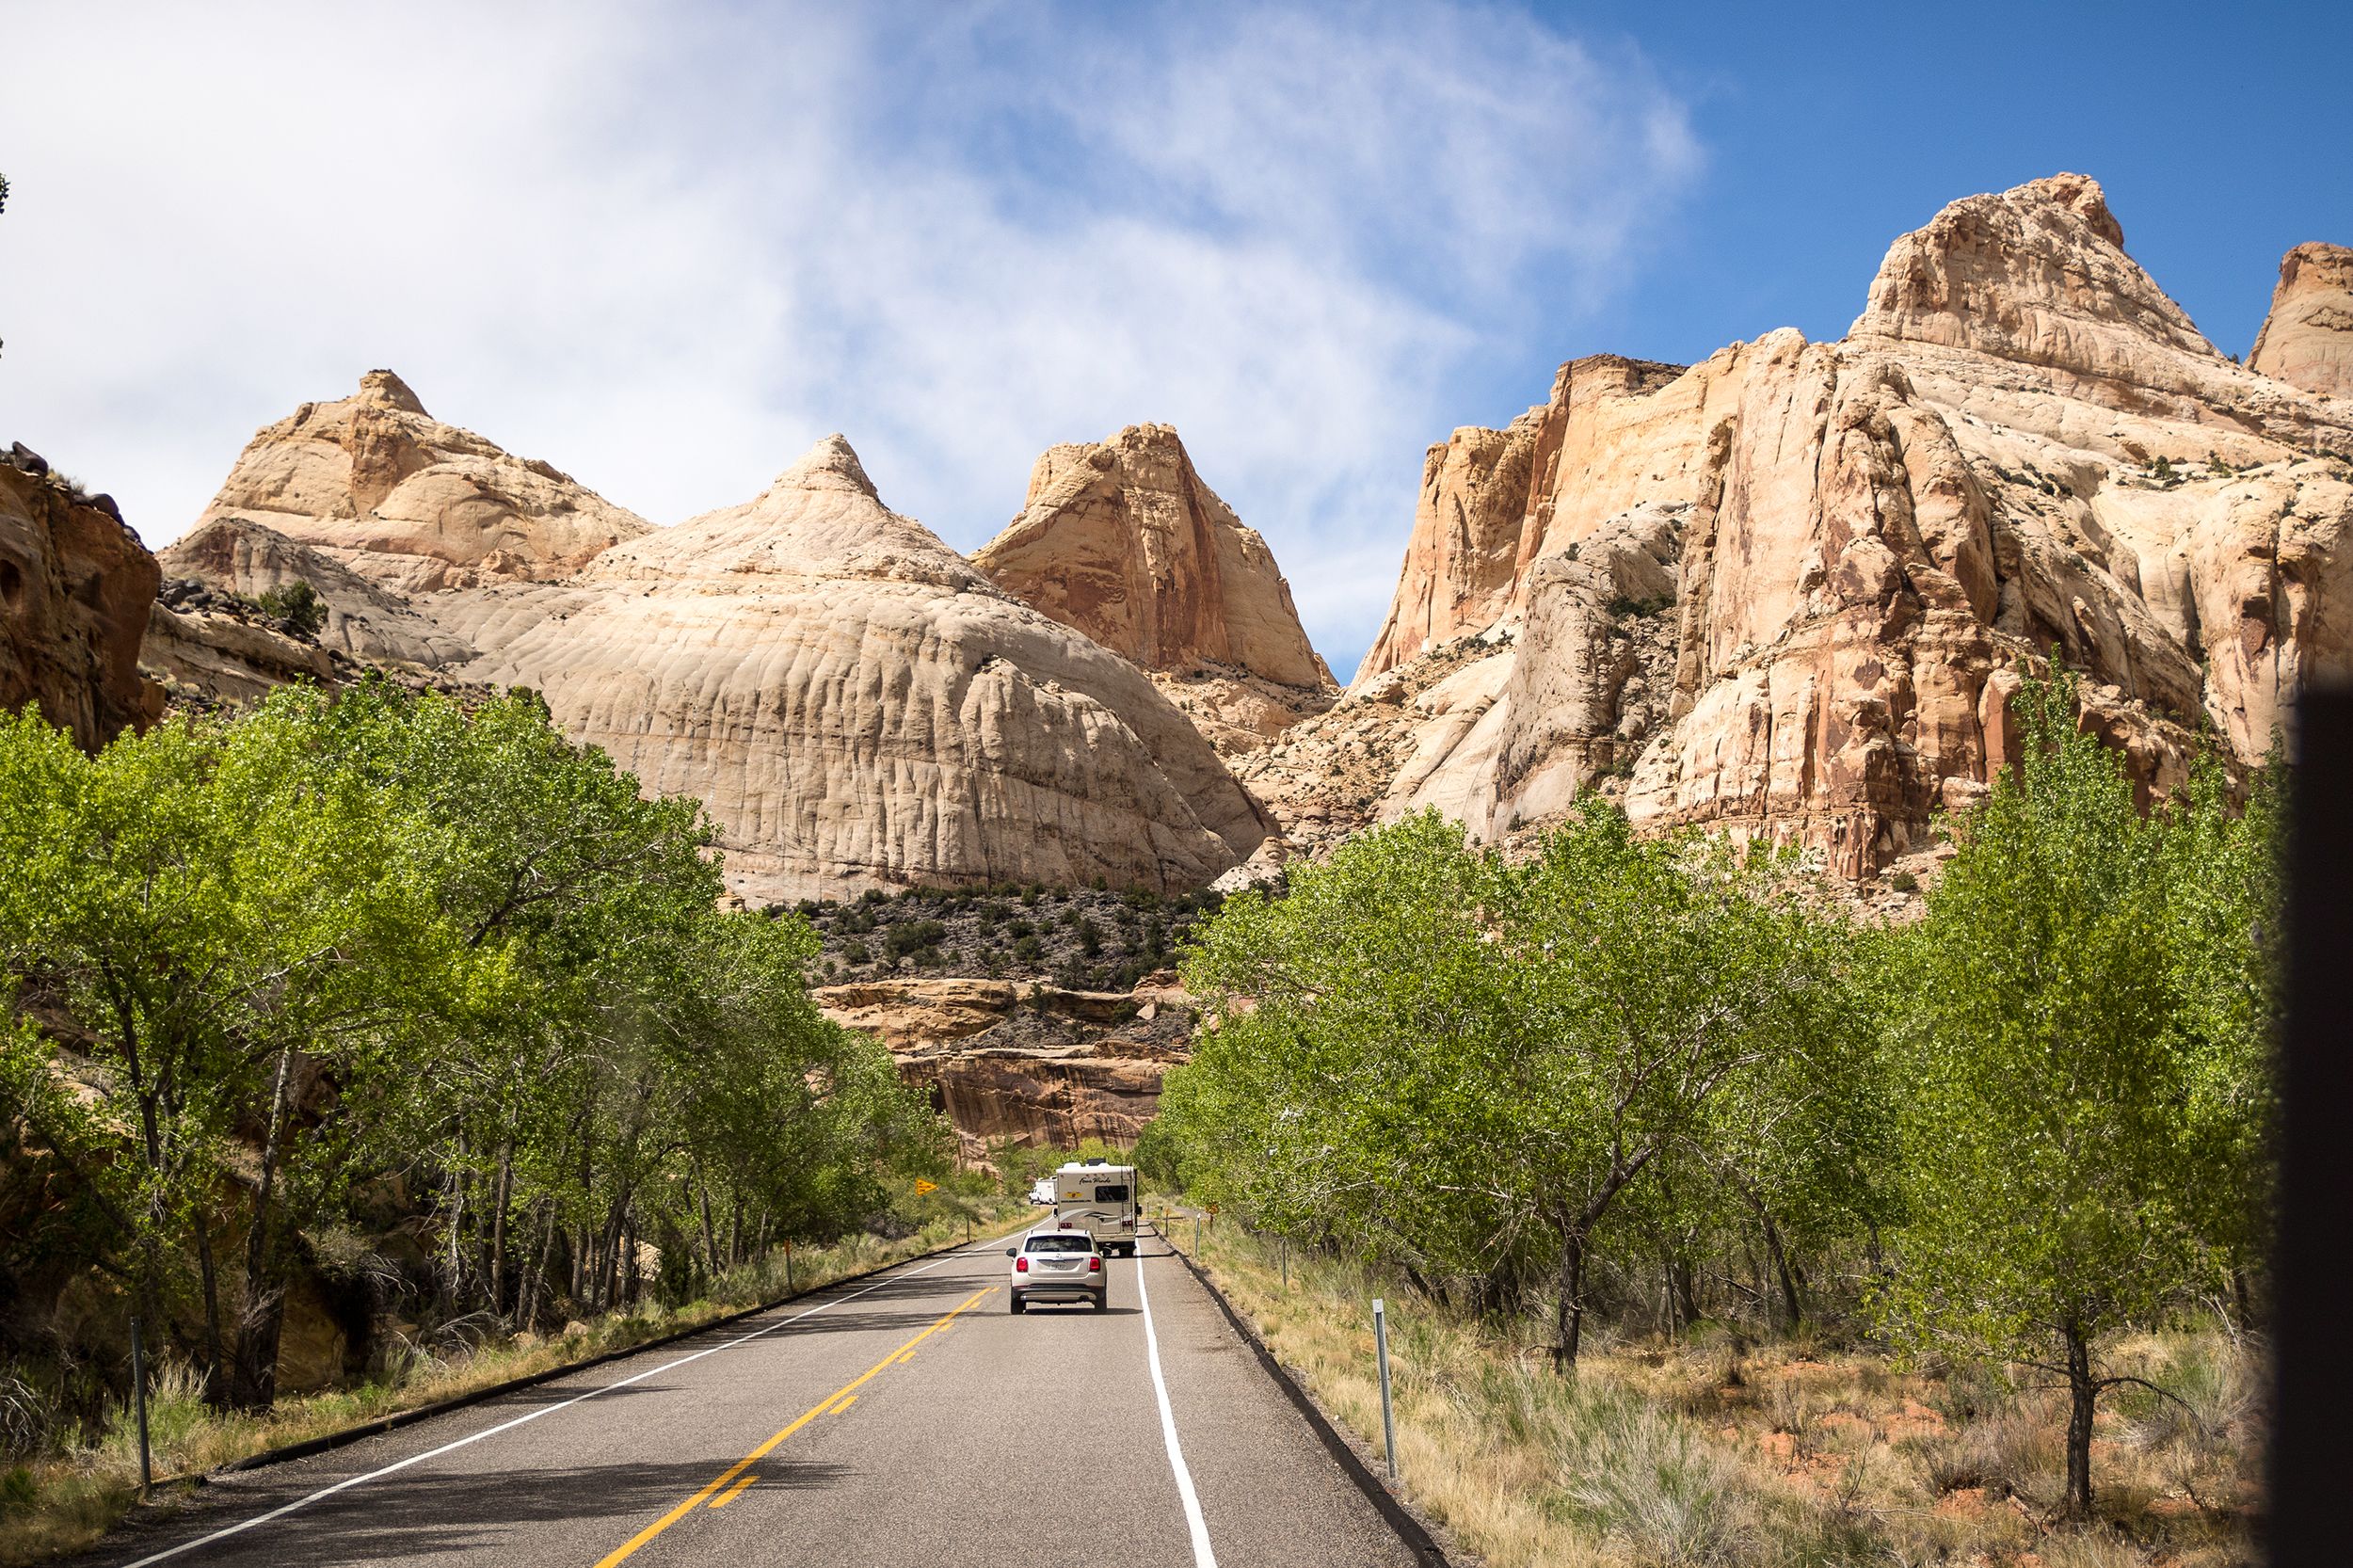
<point x="1020" y="1265"/>
<point x="1094" y="1265"/>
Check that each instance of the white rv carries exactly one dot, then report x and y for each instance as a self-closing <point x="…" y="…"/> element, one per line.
<point x="1099" y="1199"/>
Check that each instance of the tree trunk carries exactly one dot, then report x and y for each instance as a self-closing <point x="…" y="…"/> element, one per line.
<point x="1781" y="1267"/>
<point x="527" y="1313"/>
<point x="1569" y="1315"/>
<point x="711" y="1238"/>
<point x="1686" y="1305"/>
<point x="501" y="1196"/>
<point x="2082" y="1398"/>
<point x="216" y="1379"/>
<point x="254" y="1378"/>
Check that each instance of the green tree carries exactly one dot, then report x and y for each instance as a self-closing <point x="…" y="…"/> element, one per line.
<point x="2078" y="1038"/>
<point x="1435" y="1055"/>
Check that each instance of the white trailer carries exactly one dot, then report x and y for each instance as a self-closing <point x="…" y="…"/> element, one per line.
<point x="1101" y="1199"/>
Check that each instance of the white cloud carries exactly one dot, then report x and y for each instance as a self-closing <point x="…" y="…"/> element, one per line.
<point x="666" y="249"/>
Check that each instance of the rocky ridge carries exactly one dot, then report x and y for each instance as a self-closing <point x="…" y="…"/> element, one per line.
<point x="857" y="706"/>
<point x="1853" y="551"/>
<point x="413" y="503"/>
<point x="1121" y="540"/>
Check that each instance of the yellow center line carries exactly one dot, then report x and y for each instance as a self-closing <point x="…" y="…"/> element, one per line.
<point x="733" y="1493"/>
<point x="845" y="1404"/>
<point x="631" y="1545"/>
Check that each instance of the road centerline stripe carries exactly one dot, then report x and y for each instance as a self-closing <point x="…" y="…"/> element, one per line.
<point x="621" y="1553"/>
<point x="1198" y="1526"/>
<point x="733" y="1493"/>
<point x="350" y="1481"/>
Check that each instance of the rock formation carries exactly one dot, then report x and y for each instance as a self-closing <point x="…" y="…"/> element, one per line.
<point x="857" y="706"/>
<point x="206" y="658"/>
<point x="2307" y="340"/>
<point x="1025" y="1062"/>
<point x="363" y="621"/>
<point x="1120" y="540"/>
<point x="411" y="504"/>
<point x="1787" y="591"/>
<point x="74" y="589"/>
<point x="855" y="703"/>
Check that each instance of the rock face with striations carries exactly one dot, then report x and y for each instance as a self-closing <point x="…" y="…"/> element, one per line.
<point x="74" y="589"/>
<point x="413" y="503"/>
<point x="1787" y="591"/>
<point x="857" y="706"/>
<point x="1120" y="540"/>
<point x="2307" y="340"/>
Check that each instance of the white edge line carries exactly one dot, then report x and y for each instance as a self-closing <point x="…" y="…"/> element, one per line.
<point x="350" y="1481"/>
<point x="1202" y="1556"/>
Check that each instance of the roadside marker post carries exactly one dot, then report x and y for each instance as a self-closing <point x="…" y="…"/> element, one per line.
<point x="787" y="1268"/>
<point x="138" y="1385"/>
<point x="1389" y="1415"/>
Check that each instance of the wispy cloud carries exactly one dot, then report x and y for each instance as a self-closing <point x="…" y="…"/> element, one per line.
<point x="665" y="249"/>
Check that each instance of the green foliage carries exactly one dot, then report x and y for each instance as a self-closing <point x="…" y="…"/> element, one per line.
<point x="1464" y="1064"/>
<point x="298" y="606"/>
<point x="380" y="943"/>
<point x="2080" y="1025"/>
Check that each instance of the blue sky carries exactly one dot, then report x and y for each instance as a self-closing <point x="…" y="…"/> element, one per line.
<point x="666" y="248"/>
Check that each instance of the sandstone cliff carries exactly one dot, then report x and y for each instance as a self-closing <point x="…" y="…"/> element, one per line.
<point x="410" y="503"/>
<point x="857" y="706"/>
<point x="1120" y="540"/>
<point x="363" y="621"/>
<point x="2307" y="340"/>
<point x="1025" y="1062"/>
<point x="74" y="589"/>
<point x="1787" y="591"/>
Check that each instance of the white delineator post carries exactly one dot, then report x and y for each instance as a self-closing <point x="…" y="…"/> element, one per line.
<point x="1389" y="1413"/>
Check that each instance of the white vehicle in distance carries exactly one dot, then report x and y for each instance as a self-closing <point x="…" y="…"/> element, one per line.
<point x="1042" y="1191"/>
<point x="1099" y="1199"/>
<point x="1057" y="1266"/>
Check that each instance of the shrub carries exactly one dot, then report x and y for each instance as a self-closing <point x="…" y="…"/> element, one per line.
<point x="853" y="953"/>
<point x="296" y="607"/>
<point x="914" y="937"/>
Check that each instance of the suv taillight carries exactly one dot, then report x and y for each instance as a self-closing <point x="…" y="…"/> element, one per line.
<point x="1020" y="1265"/>
<point x="1094" y="1265"/>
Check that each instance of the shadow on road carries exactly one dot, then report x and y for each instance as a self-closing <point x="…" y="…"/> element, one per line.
<point x="428" y="1514"/>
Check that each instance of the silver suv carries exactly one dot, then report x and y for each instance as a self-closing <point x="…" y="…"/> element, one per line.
<point x="1057" y="1266"/>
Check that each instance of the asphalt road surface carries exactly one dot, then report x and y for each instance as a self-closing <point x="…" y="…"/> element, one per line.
<point x="904" y="1419"/>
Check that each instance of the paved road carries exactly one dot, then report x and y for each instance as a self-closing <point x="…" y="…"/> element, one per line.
<point x="905" y="1420"/>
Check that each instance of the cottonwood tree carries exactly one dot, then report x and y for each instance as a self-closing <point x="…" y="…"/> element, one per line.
<point x="257" y="968"/>
<point x="2076" y="1040"/>
<point x="1461" y="1063"/>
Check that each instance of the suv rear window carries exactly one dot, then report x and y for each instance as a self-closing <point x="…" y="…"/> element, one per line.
<point x="1074" y="1241"/>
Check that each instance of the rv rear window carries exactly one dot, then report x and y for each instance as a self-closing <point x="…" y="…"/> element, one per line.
<point x="1112" y="1194"/>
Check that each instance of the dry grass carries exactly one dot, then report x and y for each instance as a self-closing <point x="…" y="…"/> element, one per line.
<point x="63" y="1503"/>
<point x="1662" y="1455"/>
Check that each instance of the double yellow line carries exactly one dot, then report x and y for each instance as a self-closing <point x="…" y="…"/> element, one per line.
<point x="840" y="1399"/>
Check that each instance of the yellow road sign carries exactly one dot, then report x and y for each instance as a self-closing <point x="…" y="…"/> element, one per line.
<point x="921" y="1187"/>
